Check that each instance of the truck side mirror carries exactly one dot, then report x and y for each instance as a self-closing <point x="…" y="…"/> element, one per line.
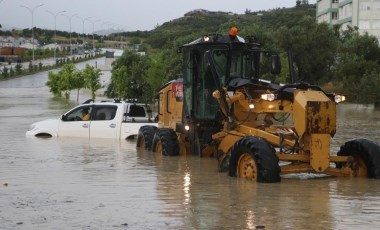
<point x="275" y="64"/>
<point x="63" y="117"/>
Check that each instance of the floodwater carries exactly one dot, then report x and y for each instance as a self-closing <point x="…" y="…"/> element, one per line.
<point x="69" y="183"/>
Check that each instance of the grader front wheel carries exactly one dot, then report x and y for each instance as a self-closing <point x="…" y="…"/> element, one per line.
<point x="254" y="158"/>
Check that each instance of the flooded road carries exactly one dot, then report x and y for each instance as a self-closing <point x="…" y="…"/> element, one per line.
<point x="70" y="183"/>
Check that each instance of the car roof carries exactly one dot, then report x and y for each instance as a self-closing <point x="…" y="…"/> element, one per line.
<point x="111" y="102"/>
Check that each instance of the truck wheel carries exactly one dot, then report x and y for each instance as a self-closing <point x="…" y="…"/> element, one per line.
<point x="145" y="136"/>
<point x="254" y="158"/>
<point x="165" y="142"/>
<point x="366" y="156"/>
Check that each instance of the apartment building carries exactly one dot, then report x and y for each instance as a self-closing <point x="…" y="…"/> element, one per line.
<point x="365" y="14"/>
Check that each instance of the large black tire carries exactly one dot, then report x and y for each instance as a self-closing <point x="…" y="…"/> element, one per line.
<point x="363" y="149"/>
<point x="165" y="140"/>
<point x="256" y="157"/>
<point x="145" y="136"/>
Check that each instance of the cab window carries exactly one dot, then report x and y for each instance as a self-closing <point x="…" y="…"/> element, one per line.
<point x="104" y="113"/>
<point x="82" y="113"/>
<point x="136" y="111"/>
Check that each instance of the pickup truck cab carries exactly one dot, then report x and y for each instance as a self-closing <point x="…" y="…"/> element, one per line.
<point x="117" y="119"/>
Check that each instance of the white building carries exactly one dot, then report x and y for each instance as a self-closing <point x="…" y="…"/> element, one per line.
<point x="53" y="46"/>
<point x="9" y="41"/>
<point x="364" y="14"/>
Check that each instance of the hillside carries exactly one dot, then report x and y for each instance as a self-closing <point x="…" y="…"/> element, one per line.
<point x="197" y="23"/>
<point x="186" y="28"/>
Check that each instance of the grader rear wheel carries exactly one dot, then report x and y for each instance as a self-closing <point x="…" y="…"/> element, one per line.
<point x="145" y="136"/>
<point x="366" y="157"/>
<point x="360" y="167"/>
<point x="165" y="142"/>
<point x="158" y="148"/>
<point x="247" y="167"/>
<point x="254" y="158"/>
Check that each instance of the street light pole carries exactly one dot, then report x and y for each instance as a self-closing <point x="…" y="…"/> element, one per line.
<point x="32" y="13"/>
<point x="93" y="37"/>
<point x="83" y="21"/>
<point x="0" y="28"/>
<point x="102" y="39"/>
<point x="55" y="27"/>
<point x="71" y="50"/>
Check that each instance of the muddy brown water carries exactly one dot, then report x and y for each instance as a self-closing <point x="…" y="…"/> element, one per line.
<point x="68" y="183"/>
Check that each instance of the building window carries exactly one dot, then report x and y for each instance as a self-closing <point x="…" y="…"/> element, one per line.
<point x="345" y="11"/>
<point x="365" y="24"/>
<point x="365" y="5"/>
<point x="334" y="16"/>
<point x="335" y="1"/>
<point x="376" y="24"/>
<point x="376" y="5"/>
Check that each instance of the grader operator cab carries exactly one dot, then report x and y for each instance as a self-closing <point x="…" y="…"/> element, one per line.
<point x="256" y="129"/>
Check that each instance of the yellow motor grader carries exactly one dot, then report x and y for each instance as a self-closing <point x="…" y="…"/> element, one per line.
<point x="256" y="129"/>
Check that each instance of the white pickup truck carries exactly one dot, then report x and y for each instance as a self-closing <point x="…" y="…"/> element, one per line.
<point x="117" y="119"/>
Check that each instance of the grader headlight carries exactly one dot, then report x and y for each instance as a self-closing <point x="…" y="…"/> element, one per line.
<point x="251" y="104"/>
<point x="339" y="98"/>
<point x="268" y="97"/>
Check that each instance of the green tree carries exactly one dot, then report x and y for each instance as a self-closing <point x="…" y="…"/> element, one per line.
<point x="119" y="85"/>
<point x="77" y="82"/>
<point x="91" y="76"/>
<point x="135" y="40"/>
<point x="172" y="60"/>
<point x="67" y="79"/>
<point x="358" y="68"/>
<point x="18" y="68"/>
<point x="11" y="72"/>
<point x="30" y="66"/>
<point x="156" y="75"/>
<point x="128" y="76"/>
<point x="53" y="83"/>
<point x="5" y="72"/>
<point x="368" y="90"/>
<point x="314" y="49"/>
<point x="68" y="74"/>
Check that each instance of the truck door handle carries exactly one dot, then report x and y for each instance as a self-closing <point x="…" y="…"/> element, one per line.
<point x="85" y="125"/>
<point x="112" y="125"/>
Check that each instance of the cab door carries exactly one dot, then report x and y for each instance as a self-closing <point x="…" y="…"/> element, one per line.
<point x="73" y="125"/>
<point x="104" y="122"/>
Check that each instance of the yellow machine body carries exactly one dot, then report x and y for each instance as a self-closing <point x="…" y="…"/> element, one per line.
<point x="220" y="108"/>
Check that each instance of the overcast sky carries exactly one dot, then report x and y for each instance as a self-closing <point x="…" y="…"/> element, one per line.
<point x="126" y="15"/>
